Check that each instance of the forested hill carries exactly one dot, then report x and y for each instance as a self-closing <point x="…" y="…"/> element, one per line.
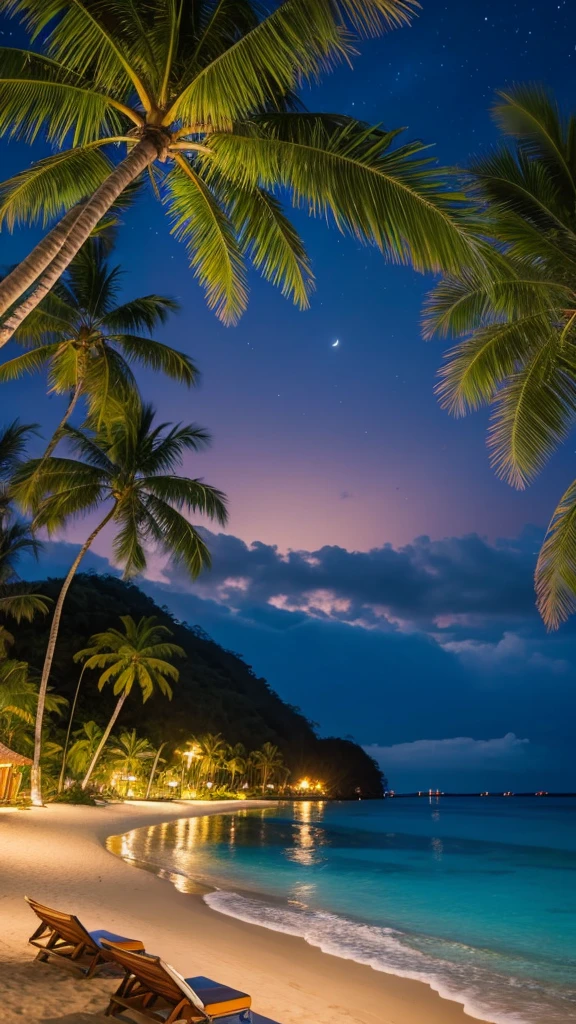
<point x="217" y="691"/>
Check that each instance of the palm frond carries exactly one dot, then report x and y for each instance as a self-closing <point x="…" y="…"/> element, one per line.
<point x="350" y="172"/>
<point x="200" y="222"/>
<point x="534" y="411"/>
<point x="14" y="439"/>
<point x="39" y="95"/>
<point x="556" y="566"/>
<point x="530" y="114"/>
<point x="24" y="606"/>
<point x="79" y="39"/>
<point x="272" y="243"/>
<point x="29" y="362"/>
<point x="156" y="356"/>
<point x="164" y="451"/>
<point x="476" y="367"/>
<point x="191" y="495"/>
<point x="181" y="540"/>
<point x="296" y="42"/>
<point x="458" y="305"/>
<point x="55" y="487"/>
<point x="127" y="544"/>
<point x="514" y="183"/>
<point x="144" y="313"/>
<point x="52" y="186"/>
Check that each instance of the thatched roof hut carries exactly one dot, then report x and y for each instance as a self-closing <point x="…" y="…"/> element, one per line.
<point x="10" y="776"/>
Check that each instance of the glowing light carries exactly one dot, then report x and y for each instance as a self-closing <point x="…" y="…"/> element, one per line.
<point x="304" y="784"/>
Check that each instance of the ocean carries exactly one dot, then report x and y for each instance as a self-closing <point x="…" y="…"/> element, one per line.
<point x="477" y="897"/>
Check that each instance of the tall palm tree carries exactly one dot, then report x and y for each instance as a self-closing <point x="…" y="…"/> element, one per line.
<point x="128" y="755"/>
<point x="212" y="749"/>
<point x="519" y="351"/>
<point x="127" y="471"/>
<point x="16" y="537"/>
<point x="135" y="657"/>
<point x="86" y="339"/>
<point x="268" y="760"/>
<point x="201" y="96"/>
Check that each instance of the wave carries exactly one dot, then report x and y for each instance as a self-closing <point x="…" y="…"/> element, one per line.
<point x="482" y="993"/>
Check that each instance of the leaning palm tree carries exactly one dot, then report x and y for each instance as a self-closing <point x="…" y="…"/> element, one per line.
<point x="126" y="472"/>
<point x="201" y="96"/>
<point x="136" y="656"/>
<point x="86" y="339"/>
<point x="519" y="351"/>
<point x="16" y="537"/>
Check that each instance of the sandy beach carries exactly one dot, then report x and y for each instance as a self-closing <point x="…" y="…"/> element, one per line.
<point x="57" y="854"/>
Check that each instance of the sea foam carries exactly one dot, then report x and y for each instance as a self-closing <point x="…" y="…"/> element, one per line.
<point x="486" y="996"/>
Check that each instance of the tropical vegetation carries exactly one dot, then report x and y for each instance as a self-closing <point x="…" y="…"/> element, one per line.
<point x="224" y="732"/>
<point x="518" y="353"/>
<point x="200" y="98"/>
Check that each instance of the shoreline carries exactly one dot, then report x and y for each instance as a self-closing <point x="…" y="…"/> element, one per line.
<point x="291" y="981"/>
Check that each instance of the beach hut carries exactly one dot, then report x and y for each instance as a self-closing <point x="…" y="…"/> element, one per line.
<point x="10" y="773"/>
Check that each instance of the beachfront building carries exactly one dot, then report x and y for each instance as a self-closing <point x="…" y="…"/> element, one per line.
<point x="11" y="765"/>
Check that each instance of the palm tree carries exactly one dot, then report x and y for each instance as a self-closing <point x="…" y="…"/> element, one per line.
<point x="16" y="537"/>
<point x="136" y="656"/>
<point x="212" y="749"/>
<point x="129" y="753"/>
<point x="236" y="762"/>
<point x="519" y="353"/>
<point x="201" y="97"/>
<point x="87" y="339"/>
<point x="126" y="470"/>
<point x="268" y="760"/>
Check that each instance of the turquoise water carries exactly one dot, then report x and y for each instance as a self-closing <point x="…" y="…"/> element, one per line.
<point x="475" y="896"/>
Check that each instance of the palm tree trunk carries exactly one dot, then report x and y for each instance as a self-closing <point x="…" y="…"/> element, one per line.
<point x="68" y="731"/>
<point x="104" y="739"/>
<point x="153" y="772"/>
<point x="57" y="435"/>
<point x="27" y="272"/>
<point x="143" y="153"/>
<point x="35" y="780"/>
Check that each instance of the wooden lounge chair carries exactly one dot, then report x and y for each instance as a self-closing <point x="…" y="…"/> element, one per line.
<point x="158" y="993"/>
<point x="64" y="936"/>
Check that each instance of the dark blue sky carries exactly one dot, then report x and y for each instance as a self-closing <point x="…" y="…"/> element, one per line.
<point x="347" y="447"/>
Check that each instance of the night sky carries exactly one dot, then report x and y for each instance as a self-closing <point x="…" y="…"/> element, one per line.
<point x="429" y="651"/>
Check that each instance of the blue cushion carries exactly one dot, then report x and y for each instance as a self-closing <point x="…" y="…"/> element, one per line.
<point x="103" y="934"/>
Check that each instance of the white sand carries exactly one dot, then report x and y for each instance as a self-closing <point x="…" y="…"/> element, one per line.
<point x="57" y="855"/>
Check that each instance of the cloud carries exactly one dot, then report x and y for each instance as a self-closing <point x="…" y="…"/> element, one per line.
<point x="442" y="584"/>
<point x="510" y="653"/>
<point x="460" y="752"/>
